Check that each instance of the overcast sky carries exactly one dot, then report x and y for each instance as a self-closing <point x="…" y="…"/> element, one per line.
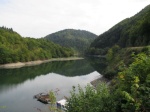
<point x="38" y="18"/>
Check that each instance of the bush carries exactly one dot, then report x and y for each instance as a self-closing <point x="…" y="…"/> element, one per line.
<point x="134" y="85"/>
<point x="90" y="99"/>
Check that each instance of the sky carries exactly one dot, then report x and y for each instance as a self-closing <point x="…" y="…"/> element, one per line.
<point x="38" y="18"/>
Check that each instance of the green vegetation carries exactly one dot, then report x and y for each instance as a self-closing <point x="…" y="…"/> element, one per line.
<point x="131" y="32"/>
<point x="90" y="99"/>
<point x="117" y="44"/>
<point x="52" y="98"/>
<point x="14" y="48"/>
<point x="78" y="40"/>
<point x="127" y="53"/>
<point x="66" y="68"/>
<point x="133" y="85"/>
<point x="109" y="65"/>
<point x="129" y="91"/>
<point x="116" y="57"/>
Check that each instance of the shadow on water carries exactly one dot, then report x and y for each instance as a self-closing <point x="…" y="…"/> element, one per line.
<point x="98" y="63"/>
<point x="66" y="68"/>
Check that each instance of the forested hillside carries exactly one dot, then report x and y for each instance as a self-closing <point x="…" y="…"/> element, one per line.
<point x="14" y="48"/>
<point x="79" y="40"/>
<point x="131" y="32"/>
<point x="127" y="64"/>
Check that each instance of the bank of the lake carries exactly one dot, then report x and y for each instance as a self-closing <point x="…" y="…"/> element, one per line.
<point x="37" y="62"/>
<point x="19" y="85"/>
<point x="99" y="80"/>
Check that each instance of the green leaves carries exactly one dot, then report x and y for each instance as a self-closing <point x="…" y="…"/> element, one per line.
<point x="135" y="87"/>
<point x="90" y="99"/>
<point x="14" y="48"/>
<point x="127" y="96"/>
<point x="52" y="97"/>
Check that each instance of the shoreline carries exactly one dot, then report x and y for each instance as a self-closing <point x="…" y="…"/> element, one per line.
<point x="99" y="80"/>
<point x="37" y="62"/>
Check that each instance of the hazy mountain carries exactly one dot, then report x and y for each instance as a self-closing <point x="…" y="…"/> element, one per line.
<point x="79" y="40"/>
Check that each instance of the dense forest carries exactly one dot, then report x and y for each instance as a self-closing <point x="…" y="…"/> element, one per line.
<point x="127" y="53"/>
<point x="14" y="48"/>
<point x="127" y="64"/>
<point x="131" y="32"/>
<point x="78" y="40"/>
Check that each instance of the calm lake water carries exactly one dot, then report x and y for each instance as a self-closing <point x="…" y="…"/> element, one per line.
<point x="18" y="86"/>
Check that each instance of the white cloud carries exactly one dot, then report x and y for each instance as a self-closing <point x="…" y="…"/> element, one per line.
<point x="37" y="18"/>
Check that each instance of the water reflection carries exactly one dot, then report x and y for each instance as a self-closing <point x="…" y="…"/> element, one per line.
<point x="18" y="86"/>
<point x="98" y="63"/>
<point x="66" y="68"/>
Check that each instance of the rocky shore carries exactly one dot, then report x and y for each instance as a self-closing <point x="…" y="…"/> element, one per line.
<point x="99" y="80"/>
<point x="32" y="63"/>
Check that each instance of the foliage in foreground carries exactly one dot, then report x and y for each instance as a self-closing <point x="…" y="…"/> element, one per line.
<point x="90" y="99"/>
<point x="130" y="92"/>
<point x="133" y="86"/>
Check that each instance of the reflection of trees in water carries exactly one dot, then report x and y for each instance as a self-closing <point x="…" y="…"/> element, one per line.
<point x="66" y="68"/>
<point x="99" y="64"/>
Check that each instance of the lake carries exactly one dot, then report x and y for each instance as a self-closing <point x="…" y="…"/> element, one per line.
<point x="18" y="86"/>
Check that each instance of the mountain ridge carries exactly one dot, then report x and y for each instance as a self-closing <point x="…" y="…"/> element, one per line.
<point x="79" y="40"/>
<point x="130" y="32"/>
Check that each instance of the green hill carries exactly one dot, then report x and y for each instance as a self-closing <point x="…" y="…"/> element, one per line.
<point x="131" y="32"/>
<point x="14" y="48"/>
<point x="79" y="40"/>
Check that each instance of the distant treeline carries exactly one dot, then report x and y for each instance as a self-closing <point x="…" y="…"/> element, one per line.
<point x="14" y="48"/>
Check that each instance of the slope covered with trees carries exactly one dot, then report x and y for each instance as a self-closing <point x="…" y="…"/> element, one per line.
<point x="79" y="40"/>
<point x="14" y="48"/>
<point x="129" y="91"/>
<point x="131" y="32"/>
